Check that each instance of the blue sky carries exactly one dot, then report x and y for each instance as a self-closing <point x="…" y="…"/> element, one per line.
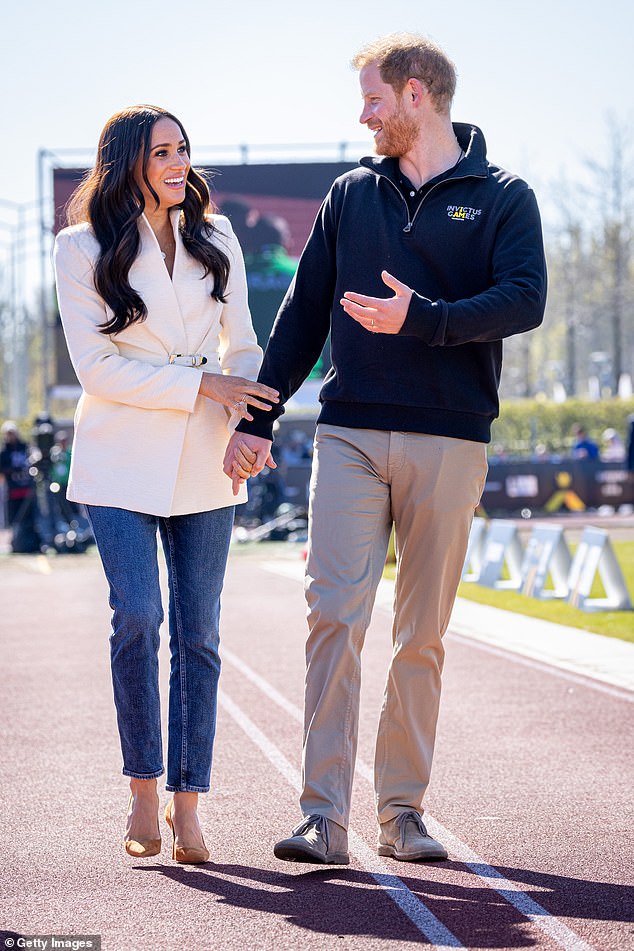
<point x="539" y="77"/>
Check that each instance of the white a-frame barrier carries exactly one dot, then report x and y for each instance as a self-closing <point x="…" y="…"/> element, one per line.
<point x="546" y="554"/>
<point x="475" y="550"/>
<point x="502" y="545"/>
<point x="595" y="553"/>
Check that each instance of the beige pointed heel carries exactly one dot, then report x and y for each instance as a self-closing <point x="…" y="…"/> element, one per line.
<point x="180" y="853"/>
<point x="141" y="848"/>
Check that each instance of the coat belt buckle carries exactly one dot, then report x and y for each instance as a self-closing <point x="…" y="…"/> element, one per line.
<point x="188" y="359"/>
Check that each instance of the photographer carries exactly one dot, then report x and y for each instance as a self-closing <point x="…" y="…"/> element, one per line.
<point x="60" y="468"/>
<point x="21" y="496"/>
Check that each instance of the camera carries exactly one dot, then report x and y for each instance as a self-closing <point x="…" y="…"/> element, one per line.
<point x="43" y="433"/>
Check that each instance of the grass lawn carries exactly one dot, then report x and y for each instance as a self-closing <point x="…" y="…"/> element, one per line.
<point x="611" y="623"/>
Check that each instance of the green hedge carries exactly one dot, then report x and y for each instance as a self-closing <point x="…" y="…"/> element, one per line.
<point x="523" y="424"/>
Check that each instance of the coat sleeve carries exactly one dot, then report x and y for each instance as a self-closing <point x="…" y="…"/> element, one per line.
<point x="513" y="304"/>
<point x="101" y="369"/>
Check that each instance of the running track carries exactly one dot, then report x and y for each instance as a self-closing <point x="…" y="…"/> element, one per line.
<point x="531" y="791"/>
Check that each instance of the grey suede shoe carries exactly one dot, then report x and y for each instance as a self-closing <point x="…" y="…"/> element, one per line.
<point x="405" y="838"/>
<point x="316" y="839"/>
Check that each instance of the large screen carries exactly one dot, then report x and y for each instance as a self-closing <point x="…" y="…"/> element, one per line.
<point x="271" y="207"/>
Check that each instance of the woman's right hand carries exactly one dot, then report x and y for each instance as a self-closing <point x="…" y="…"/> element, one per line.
<point x="235" y="392"/>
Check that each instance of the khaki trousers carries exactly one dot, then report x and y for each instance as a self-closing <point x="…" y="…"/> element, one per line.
<point x="364" y="481"/>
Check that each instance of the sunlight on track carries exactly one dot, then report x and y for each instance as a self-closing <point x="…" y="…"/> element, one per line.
<point x="549" y="667"/>
<point x="591" y="660"/>
<point x="397" y="890"/>
<point x="488" y="875"/>
<point x="508" y="890"/>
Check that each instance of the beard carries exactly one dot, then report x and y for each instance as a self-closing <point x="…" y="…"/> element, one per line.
<point x="397" y="135"/>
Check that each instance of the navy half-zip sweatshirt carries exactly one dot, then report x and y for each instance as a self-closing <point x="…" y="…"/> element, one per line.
<point x="472" y="251"/>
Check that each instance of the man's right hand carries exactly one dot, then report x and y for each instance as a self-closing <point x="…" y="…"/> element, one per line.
<point x="243" y="447"/>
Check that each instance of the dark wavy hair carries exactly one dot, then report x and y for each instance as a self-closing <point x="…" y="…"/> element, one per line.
<point x="110" y="200"/>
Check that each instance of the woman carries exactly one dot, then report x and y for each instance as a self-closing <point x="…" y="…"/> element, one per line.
<point x="153" y="299"/>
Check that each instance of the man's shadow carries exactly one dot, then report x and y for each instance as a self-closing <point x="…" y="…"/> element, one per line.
<point x="340" y="901"/>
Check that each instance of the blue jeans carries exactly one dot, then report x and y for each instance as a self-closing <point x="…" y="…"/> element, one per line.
<point x="196" y="548"/>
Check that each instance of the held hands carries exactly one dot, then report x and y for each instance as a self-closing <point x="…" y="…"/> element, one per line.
<point x="236" y="392"/>
<point x="246" y="456"/>
<point x="380" y="315"/>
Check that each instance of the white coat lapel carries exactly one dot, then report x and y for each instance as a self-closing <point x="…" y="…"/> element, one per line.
<point x="199" y="312"/>
<point x="150" y="278"/>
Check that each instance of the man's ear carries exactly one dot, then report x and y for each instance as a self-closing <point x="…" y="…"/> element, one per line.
<point x="416" y="91"/>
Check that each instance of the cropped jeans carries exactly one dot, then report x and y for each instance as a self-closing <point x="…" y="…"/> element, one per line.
<point x="196" y="548"/>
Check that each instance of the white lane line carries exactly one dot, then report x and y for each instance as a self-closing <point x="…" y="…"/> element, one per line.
<point x="508" y="890"/>
<point x="397" y="890"/>
<point x="608" y="659"/>
<point x="546" y="667"/>
<point x="611" y="675"/>
<point x="268" y="689"/>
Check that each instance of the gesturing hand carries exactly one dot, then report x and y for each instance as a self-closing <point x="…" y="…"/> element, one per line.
<point x="236" y="392"/>
<point x="246" y="456"/>
<point x="380" y="315"/>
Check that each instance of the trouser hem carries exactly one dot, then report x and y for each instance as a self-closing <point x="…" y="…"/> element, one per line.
<point x="187" y="787"/>
<point x="331" y="814"/>
<point x="393" y="812"/>
<point x="154" y="775"/>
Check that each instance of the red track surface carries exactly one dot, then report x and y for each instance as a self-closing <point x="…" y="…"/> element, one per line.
<point x="532" y="776"/>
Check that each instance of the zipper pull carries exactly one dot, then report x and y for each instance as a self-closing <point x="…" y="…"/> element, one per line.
<point x="407" y="228"/>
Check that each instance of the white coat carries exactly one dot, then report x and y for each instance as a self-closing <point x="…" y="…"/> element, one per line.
<point x="144" y="439"/>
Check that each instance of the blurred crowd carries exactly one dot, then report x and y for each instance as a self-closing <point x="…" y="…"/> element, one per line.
<point x="34" y="480"/>
<point x="610" y="447"/>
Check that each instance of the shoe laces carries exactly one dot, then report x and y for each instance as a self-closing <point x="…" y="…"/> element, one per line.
<point x="410" y="816"/>
<point x="316" y="822"/>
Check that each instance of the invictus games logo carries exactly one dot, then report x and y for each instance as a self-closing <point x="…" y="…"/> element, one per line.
<point x="463" y="212"/>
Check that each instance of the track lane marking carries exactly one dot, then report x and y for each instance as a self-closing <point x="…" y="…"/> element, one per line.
<point x="546" y="666"/>
<point x="418" y="913"/>
<point x="508" y="890"/>
<point x="552" y="665"/>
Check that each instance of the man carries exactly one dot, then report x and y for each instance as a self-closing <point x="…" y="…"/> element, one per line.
<point x="22" y="509"/>
<point x="583" y="447"/>
<point x="456" y="245"/>
<point x="14" y="466"/>
<point x="629" y="453"/>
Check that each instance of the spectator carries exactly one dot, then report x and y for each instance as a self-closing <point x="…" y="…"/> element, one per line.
<point x="21" y="498"/>
<point x="583" y="447"/>
<point x="60" y="469"/>
<point x="297" y="449"/>
<point x="541" y="453"/>
<point x="498" y="453"/>
<point x="613" y="448"/>
<point x="630" y="445"/>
